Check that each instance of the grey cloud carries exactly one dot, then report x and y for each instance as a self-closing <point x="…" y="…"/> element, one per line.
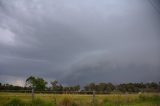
<point x="80" y="41"/>
<point x="114" y="67"/>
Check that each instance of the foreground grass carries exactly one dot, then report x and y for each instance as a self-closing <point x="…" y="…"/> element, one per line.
<point x="24" y="99"/>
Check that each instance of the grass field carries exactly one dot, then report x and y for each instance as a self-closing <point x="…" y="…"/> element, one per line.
<point x="25" y="99"/>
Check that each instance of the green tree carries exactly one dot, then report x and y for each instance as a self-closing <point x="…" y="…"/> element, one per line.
<point x="36" y="83"/>
<point x="77" y="87"/>
<point x="101" y="87"/>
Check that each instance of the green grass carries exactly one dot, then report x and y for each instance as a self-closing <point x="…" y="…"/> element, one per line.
<point x="24" y="99"/>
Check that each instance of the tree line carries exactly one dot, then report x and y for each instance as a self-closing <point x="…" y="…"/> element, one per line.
<point x="39" y="84"/>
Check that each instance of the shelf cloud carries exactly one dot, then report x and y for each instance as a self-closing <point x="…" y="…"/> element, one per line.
<point x="80" y="41"/>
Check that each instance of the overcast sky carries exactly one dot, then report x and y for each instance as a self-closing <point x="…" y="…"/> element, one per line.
<point x="80" y="41"/>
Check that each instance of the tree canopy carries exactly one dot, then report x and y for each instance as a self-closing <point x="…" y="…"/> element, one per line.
<point x="39" y="84"/>
<point x="36" y="83"/>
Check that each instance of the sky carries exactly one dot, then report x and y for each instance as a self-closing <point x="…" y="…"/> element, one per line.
<point x="80" y="41"/>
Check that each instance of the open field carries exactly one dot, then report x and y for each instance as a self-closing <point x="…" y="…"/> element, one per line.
<point x="79" y="100"/>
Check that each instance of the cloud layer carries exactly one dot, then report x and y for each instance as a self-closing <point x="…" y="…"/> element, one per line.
<point x="79" y="41"/>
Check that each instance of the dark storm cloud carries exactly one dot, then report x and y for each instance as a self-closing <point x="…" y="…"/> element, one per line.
<point x="79" y="41"/>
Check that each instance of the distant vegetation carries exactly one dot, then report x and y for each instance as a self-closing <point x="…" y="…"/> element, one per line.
<point x="39" y="84"/>
<point x="117" y="95"/>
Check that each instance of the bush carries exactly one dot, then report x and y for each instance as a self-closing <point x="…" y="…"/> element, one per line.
<point x="154" y="99"/>
<point x="142" y="97"/>
<point x="40" y="102"/>
<point x="16" y="102"/>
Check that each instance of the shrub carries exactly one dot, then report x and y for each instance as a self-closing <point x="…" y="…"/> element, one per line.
<point x="16" y="102"/>
<point x="142" y="97"/>
<point x="40" y="102"/>
<point x="154" y="99"/>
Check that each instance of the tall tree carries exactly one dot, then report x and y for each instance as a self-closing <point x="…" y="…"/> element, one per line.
<point x="55" y="86"/>
<point x="36" y="83"/>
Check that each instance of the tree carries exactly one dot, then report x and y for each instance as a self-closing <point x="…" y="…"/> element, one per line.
<point x="54" y="85"/>
<point x="36" y="83"/>
<point x="110" y="87"/>
<point x="90" y="87"/>
<point x="30" y="81"/>
<point x="101" y="87"/>
<point x="77" y="87"/>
